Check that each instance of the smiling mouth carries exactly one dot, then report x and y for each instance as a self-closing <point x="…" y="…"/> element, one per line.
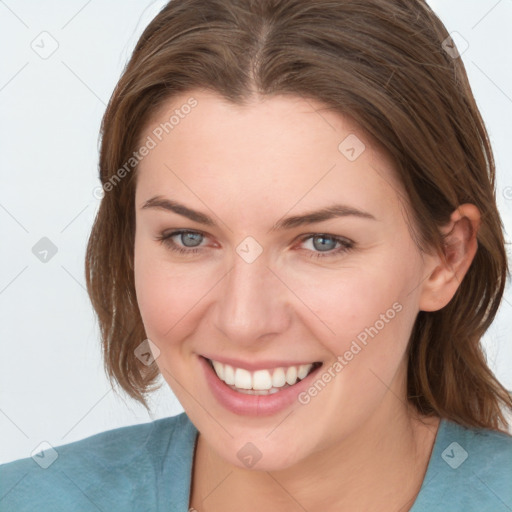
<point x="261" y="382"/>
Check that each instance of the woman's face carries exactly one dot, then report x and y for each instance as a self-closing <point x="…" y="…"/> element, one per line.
<point x="263" y="285"/>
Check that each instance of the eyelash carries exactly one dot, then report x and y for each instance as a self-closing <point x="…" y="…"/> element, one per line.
<point x="345" y="245"/>
<point x="167" y="240"/>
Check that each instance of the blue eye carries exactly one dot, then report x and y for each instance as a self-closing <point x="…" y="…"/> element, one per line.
<point x="323" y="245"/>
<point x="189" y="240"/>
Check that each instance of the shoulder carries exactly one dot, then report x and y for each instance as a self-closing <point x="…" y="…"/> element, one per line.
<point x="487" y="454"/>
<point x="470" y="469"/>
<point x="118" y="469"/>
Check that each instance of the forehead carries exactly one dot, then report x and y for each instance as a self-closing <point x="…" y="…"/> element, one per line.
<point x="278" y="150"/>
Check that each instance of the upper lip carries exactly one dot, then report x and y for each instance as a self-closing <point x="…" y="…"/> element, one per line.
<point x="266" y="364"/>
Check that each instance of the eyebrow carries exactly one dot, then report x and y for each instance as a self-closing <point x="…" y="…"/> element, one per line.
<point x="327" y="213"/>
<point x="162" y="203"/>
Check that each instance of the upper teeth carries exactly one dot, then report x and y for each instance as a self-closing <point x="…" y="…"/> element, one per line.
<point x="260" y="379"/>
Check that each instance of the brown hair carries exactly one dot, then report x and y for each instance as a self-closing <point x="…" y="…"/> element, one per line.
<point x="380" y="62"/>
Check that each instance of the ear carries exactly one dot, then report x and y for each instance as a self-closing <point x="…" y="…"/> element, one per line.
<point x="447" y="270"/>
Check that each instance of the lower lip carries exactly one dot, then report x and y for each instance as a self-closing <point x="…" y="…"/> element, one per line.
<point x="253" y="405"/>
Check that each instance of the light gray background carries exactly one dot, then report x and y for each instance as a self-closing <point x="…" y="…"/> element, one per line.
<point x="52" y="384"/>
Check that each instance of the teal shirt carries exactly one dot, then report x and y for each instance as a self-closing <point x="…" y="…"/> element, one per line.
<point x="148" y="468"/>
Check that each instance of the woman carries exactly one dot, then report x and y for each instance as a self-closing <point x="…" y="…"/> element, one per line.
<point x="299" y="233"/>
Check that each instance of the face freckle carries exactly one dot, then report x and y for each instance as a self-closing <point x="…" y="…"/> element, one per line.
<point x="301" y="253"/>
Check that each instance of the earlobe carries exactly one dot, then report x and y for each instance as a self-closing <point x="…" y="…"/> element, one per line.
<point x="449" y="268"/>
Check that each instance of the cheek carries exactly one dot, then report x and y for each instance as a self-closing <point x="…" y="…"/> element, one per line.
<point x="168" y="298"/>
<point x="371" y="316"/>
<point x="346" y="303"/>
<point x="365" y="315"/>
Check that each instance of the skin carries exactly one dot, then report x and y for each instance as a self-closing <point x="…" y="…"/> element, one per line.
<point x="357" y="445"/>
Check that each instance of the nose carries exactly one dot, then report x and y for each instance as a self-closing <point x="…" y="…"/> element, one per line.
<point x="251" y="303"/>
